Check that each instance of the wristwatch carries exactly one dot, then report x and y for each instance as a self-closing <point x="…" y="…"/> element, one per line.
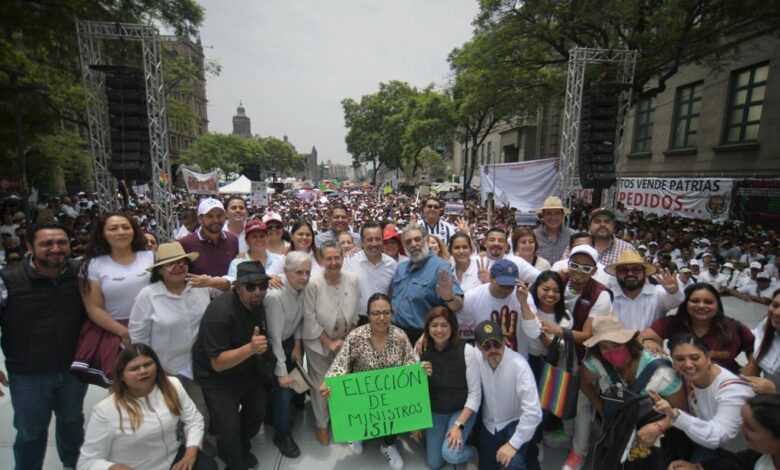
<point x="460" y="425"/>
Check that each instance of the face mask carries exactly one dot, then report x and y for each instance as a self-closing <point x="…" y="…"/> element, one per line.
<point x="617" y="357"/>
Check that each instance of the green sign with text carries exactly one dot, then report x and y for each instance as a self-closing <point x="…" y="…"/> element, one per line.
<point x="367" y="405"/>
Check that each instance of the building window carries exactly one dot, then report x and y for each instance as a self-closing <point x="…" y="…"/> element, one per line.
<point x="643" y="125"/>
<point x="746" y="100"/>
<point x="687" y="105"/>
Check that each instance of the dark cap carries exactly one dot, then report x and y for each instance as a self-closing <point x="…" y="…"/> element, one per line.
<point x="487" y="330"/>
<point x="250" y="271"/>
<point x="601" y="211"/>
<point x="505" y="272"/>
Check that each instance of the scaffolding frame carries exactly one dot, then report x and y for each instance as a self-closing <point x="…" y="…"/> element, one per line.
<point x="90" y="34"/>
<point x="579" y="58"/>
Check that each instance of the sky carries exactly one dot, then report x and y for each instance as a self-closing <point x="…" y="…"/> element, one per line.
<point x="292" y="62"/>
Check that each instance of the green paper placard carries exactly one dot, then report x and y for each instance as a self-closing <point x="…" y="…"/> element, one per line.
<point x="367" y="405"/>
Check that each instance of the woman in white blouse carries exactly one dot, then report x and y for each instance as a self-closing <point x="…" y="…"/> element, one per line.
<point x="330" y="311"/>
<point x="135" y="427"/>
<point x="766" y="351"/>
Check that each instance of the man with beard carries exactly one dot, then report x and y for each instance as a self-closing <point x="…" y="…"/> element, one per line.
<point x="421" y="283"/>
<point x="339" y="222"/>
<point x="236" y="219"/>
<point x="216" y="247"/>
<point x="637" y="302"/>
<point x="40" y="319"/>
<point x="374" y="269"/>
<point x="496" y="246"/>
<point x="231" y="361"/>
<point x="510" y="402"/>
<point x="602" y="227"/>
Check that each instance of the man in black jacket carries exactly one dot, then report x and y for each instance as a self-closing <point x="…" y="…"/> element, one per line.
<point x="40" y="320"/>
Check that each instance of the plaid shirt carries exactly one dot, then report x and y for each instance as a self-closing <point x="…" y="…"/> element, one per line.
<point x="611" y="254"/>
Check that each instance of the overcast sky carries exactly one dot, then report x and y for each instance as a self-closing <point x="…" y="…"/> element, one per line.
<point x="291" y="62"/>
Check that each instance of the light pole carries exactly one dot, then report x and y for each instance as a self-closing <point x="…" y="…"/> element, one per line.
<point x="16" y="90"/>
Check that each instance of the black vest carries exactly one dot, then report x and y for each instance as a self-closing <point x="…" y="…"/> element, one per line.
<point x="41" y="320"/>
<point x="447" y="386"/>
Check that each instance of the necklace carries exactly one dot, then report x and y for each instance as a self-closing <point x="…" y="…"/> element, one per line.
<point x="571" y="287"/>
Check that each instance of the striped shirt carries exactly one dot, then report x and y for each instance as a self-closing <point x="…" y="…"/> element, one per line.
<point x="442" y="228"/>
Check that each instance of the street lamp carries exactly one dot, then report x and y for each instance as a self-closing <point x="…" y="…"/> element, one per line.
<point x="16" y="90"/>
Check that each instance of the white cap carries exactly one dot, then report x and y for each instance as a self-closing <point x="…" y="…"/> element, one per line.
<point x="585" y="250"/>
<point x="755" y="265"/>
<point x="652" y="242"/>
<point x="762" y="275"/>
<point x="209" y="203"/>
<point x="694" y="262"/>
<point x="706" y="241"/>
<point x="728" y="265"/>
<point x="272" y="216"/>
<point x="641" y="247"/>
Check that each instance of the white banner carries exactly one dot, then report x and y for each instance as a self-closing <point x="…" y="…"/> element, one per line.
<point x="523" y="185"/>
<point x="693" y="198"/>
<point x="259" y="196"/>
<point x="198" y="183"/>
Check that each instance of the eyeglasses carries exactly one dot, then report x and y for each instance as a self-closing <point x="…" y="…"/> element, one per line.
<point x="491" y="344"/>
<point x="632" y="270"/>
<point x="382" y="313"/>
<point x="274" y="226"/>
<point x="432" y="206"/>
<point x="583" y="268"/>
<point x="251" y="286"/>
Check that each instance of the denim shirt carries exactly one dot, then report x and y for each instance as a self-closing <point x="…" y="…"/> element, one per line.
<point x="414" y="291"/>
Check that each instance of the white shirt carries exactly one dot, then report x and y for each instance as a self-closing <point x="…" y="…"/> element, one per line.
<point x="715" y="415"/>
<point x="121" y="283"/>
<point x="751" y="288"/>
<point x="372" y="277"/>
<point x="528" y="273"/>
<point x="652" y="303"/>
<point x="717" y="280"/>
<point x="242" y="246"/>
<point x="284" y="318"/>
<point x="770" y="361"/>
<point x="535" y="345"/>
<point x="509" y="394"/>
<point x="274" y="264"/>
<point x="181" y="232"/>
<point x="474" y="396"/>
<point x="470" y="275"/>
<point x="152" y="446"/>
<point x="602" y="306"/>
<point x="479" y="305"/>
<point x="169" y="323"/>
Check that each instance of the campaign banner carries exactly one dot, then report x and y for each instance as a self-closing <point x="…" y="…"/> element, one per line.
<point x="367" y="405"/>
<point x="522" y="185"/>
<point x="693" y="198"/>
<point x="259" y="195"/>
<point x="198" y="183"/>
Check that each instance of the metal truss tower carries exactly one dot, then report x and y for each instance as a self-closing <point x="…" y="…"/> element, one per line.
<point x="90" y="36"/>
<point x="625" y="64"/>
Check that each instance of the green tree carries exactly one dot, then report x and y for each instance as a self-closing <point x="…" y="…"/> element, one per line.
<point x="280" y="156"/>
<point x="227" y="153"/>
<point x="430" y="120"/>
<point x="666" y="33"/>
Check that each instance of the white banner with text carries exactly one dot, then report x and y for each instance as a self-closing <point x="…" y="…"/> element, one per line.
<point x="523" y="185"/>
<point x="693" y="198"/>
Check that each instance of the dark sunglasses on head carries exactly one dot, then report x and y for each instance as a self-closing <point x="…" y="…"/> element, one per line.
<point x="251" y="286"/>
<point x="491" y="344"/>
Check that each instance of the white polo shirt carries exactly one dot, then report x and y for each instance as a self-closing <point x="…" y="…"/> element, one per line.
<point x="651" y="304"/>
<point x="372" y="277"/>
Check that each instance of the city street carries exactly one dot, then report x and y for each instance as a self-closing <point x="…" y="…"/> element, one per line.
<point x="314" y="455"/>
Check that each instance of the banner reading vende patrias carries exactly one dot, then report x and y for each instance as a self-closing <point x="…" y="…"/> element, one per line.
<point x="693" y="198"/>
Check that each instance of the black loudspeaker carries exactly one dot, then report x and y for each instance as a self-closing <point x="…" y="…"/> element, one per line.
<point x="127" y="114"/>
<point x="598" y="131"/>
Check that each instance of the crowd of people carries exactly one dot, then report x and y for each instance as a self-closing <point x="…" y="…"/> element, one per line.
<point x="202" y="338"/>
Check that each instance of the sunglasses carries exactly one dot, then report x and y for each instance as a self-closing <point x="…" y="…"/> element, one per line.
<point x="274" y="226"/>
<point x="432" y="206"/>
<point x="251" y="286"/>
<point x="583" y="268"/>
<point x="632" y="270"/>
<point x="491" y="344"/>
<point x="381" y="313"/>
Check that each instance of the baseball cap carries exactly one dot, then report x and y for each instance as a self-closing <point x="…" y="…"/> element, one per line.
<point x="704" y="241"/>
<point x="272" y="216"/>
<point x="652" y="242"/>
<point x="601" y="211"/>
<point x="209" y="203"/>
<point x="254" y="225"/>
<point x="755" y="265"/>
<point x="641" y="247"/>
<point x="763" y="275"/>
<point x="585" y="250"/>
<point x="505" y="272"/>
<point x="487" y="330"/>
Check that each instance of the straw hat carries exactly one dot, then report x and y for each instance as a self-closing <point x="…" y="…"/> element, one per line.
<point x="608" y="328"/>
<point x="631" y="257"/>
<point x="553" y="203"/>
<point x="170" y="252"/>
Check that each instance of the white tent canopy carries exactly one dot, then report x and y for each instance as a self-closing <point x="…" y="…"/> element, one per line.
<point x="240" y="186"/>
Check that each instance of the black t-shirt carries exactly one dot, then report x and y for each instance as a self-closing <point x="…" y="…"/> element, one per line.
<point x="226" y="325"/>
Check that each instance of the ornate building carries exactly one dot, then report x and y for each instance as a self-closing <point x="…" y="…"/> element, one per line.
<point x="242" y="125"/>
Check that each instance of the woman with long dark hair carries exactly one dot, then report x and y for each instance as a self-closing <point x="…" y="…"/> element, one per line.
<point x="136" y="425"/>
<point x="465" y="267"/>
<point x="701" y="313"/>
<point x="113" y="273"/>
<point x="302" y="239"/>
<point x="767" y="351"/>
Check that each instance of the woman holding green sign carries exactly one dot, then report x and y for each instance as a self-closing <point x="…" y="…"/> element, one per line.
<point x="454" y="388"/>
<point x="375" y="345"/>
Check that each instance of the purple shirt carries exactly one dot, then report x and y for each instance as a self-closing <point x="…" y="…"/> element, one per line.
<point x="214" y="258"/>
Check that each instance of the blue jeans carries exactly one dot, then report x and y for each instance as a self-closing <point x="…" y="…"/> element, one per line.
<point x="437" y="449"/>
<point x="490" y="443"/>
<point x="34" y="397"/>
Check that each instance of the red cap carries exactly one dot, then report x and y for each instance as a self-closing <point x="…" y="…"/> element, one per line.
<point x="254" y="225"/>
